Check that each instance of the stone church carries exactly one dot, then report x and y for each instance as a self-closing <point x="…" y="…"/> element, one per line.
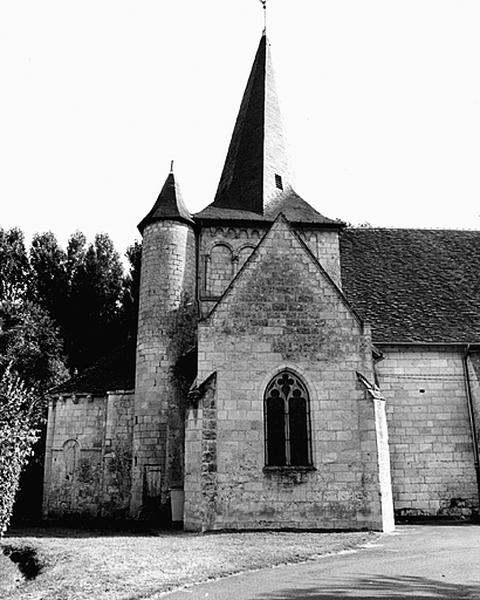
<point x="290" y="372"/>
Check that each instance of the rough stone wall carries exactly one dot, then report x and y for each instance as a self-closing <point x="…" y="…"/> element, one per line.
<point x="220" y="269"/>
<point x="224" y="250"/>
<point x="430" y="439"/>
<point x="85" y="473"/>
<point x="117" y="454"/>
<point x="282" y="312"/>
<point x="240" y="242"/>
<point x="166" y="330"/>
<point x="324" y="245"/>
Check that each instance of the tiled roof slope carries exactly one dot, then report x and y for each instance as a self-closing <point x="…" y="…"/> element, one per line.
<point x="169" y="205"/>
<point x="296" y="210"/>
<point x="288" y="202"/>
<point x="113" y="372"/>
<point x="414" y="285"/>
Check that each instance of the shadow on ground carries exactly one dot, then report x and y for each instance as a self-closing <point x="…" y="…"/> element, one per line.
<point x="374" y="587"/>
<point x="67" y="531"/>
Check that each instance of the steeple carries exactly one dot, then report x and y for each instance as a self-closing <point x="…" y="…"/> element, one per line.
<point x="256" y="181"/>
<point x="256" y="167"/>
<point x="169" y="205"/>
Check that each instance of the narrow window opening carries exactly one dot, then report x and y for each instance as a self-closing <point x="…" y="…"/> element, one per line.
<point x="278" y="181"/>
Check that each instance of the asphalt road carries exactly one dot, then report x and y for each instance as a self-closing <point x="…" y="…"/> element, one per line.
<point x="415" y="562"/>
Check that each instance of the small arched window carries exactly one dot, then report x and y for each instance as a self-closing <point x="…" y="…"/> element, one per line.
<point x="243" y="254"/>
<point x="220" y="270"/>
<point x="287" y="422"/>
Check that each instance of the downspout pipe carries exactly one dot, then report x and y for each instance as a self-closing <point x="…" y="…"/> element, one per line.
<point x="471" y="417"/>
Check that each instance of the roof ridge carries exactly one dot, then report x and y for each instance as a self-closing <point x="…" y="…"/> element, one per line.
<point x="446" y="229"/>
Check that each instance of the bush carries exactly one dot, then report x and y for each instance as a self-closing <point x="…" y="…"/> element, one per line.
<point x="19" y="419"/>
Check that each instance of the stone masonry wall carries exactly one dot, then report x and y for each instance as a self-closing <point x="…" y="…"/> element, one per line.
<point x="282" y="312"/>
<point x="430" y="439"/>
<point x="166" y="330"/>
<point x="87" y="474"/>
<point x="238" y="243"/>
<point x="117" y="454"/>
<point x="224" y="250"/>
<point x="324" y="245"/>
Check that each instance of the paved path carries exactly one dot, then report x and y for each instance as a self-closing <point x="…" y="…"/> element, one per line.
<point x="415" y="563"/>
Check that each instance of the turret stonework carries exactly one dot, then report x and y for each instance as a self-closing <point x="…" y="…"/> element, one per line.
<point x="166" y="333"/>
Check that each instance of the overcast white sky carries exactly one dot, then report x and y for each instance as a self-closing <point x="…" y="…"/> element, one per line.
<point x="380" y="99"/>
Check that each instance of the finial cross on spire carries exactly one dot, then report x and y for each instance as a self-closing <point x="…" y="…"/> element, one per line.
<point x="264" y="4"/>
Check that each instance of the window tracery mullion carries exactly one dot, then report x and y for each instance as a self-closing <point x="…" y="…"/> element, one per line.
<point x="287" y="429"/>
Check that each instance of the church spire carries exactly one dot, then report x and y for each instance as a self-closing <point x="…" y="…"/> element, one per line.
<point x="256" y="181"/>
<point x="256" y="168"/>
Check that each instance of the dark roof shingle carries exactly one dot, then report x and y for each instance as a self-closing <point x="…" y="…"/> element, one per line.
<point x="414" y="285"/>
<point x="169" y="205"/>
<point x="113" y="372"/>
<point x="288" y="202"/>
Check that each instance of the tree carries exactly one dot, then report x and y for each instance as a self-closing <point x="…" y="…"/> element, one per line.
<point x="30" y="344"/>
<point x="29" y="340"/>
<point x="131" y="291"/>
<point x="50" y="279"/>
<point x="76" y="251"/>
<point x="94" y="302"/>
<point x="15" y="272"/>
<point x="19" y="422"/>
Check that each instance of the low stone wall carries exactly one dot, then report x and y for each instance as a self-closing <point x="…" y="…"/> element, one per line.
<point x="88" y="456"/>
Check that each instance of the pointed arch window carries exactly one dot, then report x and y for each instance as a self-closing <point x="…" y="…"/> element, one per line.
<point x="287" y="422"/>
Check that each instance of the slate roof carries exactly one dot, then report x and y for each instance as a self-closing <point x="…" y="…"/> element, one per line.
<point x="288" y="202"/>
<point x="414" y="285"/>
<point x="241" y="182"/>
<point x="296" y="210"/>
<point x="169" y="205"/>
<point x="113" y="372"/>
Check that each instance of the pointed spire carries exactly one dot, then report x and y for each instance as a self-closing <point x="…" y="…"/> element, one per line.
<point x="256" y="182"/>
<point x="169" y="204"/>
<point x="257" y="166"/>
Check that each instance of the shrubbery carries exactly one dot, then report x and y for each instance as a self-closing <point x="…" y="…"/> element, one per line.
<point x="19" y="420"/>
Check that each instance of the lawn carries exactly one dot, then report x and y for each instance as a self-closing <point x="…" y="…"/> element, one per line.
<point x="76" y="565"/>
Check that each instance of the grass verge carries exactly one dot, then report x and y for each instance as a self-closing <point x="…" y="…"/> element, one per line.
<point x="79" y="565"/>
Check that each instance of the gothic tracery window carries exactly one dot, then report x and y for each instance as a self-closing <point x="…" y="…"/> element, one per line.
<point x="287" y="422"/>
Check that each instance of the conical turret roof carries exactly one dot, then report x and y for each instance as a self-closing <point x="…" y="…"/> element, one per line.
<point x="169" y="205"/>
<point x="256" y="181"/>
